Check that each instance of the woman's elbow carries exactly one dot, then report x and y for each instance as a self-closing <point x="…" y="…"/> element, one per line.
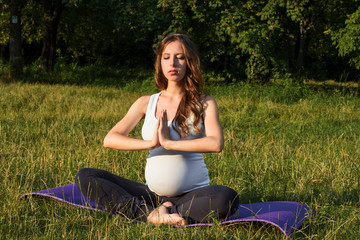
<point x="218" y="147"/>
<point x="106" y="142"/>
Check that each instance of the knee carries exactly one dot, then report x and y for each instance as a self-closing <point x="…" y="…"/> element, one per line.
<point x="82" y="176"/>
<point x="226" y="195"/>
<point x="228" y="201"/>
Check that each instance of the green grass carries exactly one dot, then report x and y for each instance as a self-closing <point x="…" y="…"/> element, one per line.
<point x="281" y="143"/>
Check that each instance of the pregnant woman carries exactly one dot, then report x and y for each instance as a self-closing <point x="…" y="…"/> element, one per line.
<point x="180" y="124"/>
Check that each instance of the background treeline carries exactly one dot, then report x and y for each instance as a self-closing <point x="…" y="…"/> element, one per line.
<point x="255" y="40"/>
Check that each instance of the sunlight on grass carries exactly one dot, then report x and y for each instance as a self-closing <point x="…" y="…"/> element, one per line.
<point x="280" y="144"/>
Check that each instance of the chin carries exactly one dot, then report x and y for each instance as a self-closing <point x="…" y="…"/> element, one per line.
<point x="175" y="78"/>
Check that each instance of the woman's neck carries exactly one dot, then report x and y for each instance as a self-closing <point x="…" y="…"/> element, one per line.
<point x="175" y="90"/>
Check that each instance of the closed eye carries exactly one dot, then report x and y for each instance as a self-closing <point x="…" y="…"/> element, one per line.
<point x="180" y="56"/>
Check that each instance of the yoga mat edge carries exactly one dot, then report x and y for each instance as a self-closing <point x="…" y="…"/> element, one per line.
<point x="285" y="215"/>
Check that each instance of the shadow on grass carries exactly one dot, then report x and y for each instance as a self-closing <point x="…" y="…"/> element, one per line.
<point x="96" y="75"/>
<point x="334" y="86"/>
<point x="140" y="79"/>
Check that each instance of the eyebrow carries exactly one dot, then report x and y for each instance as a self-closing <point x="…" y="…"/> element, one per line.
<point x="174" y="54"/>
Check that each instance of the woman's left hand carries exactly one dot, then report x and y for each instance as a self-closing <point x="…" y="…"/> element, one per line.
<point x="164" y="132"/>
<point x="213" y="141"/>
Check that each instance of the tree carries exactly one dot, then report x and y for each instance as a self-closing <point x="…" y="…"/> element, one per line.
<point x="16" y="59"/>
<point x="90" y="32"/>
<point x="140" y="23"/>
<point x="253" y="39"/>
<point x="52" y="14"/>
<point x="347" y="39"/>
<point x="205" y="22"/>
<point x="4" y="29"/>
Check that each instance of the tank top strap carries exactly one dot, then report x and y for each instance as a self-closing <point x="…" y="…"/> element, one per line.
<point x="151" y="108"/>
<point x="150" y="120"/>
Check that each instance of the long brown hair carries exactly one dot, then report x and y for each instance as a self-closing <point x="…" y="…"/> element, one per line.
<point x="191" y="102"/>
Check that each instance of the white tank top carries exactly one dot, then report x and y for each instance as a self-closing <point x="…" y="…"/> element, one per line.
<point x="171" y="173"/>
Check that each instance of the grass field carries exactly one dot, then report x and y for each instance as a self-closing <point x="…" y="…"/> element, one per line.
<point x="281" y="143"/>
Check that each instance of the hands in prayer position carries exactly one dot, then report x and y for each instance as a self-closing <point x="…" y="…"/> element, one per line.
<point x="162" y="132"/>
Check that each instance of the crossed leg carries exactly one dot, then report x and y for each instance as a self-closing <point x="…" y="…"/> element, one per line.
<point x="135" y="200"/>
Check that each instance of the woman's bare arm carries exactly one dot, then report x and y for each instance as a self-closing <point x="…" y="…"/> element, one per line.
<point x="117" y="138"/>
<point x="212" y="142"/>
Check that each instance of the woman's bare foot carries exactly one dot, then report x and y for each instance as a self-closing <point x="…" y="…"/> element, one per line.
<point x="161" y="215"/>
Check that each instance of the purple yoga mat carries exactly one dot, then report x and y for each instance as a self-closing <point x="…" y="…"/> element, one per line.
<point x="287" y="216"/>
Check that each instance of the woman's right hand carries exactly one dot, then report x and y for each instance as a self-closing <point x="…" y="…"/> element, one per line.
<point x="117" y="137"/>
<point x="155" y="142"/>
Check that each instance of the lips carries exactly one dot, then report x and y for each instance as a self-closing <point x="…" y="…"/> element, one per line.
<point x="173" y="72"/>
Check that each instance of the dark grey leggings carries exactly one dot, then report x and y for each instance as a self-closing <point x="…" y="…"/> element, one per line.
<point x="135" y="200"/>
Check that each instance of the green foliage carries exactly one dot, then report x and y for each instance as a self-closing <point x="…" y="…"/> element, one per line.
<point x="4" y="22"/>
<point x="87" y="31"/>
<point x="347" y="39"/>
<point x="240" y="40"/>
<point x="32" y="22"/>
<point x="139" y="23"/>
<point x="263" y="35"/>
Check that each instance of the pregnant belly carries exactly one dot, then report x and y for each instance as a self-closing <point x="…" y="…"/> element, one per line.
<point x="168" y="176"/>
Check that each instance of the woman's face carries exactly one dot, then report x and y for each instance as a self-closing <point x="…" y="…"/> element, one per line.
<point x="173" y="62"/>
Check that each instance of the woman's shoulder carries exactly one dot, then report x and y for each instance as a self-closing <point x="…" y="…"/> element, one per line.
<point x="143" y="102"/>
<point x="206" y="99"/>
<point x="209" y="104"/>
<point x="146" y="98"/>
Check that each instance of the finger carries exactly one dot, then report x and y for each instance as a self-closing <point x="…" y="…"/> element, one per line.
<point x="165" y="116"/>
<point x="156" y="134"/>
<point x="161" y="118"/>
<point x="157" y="126"/>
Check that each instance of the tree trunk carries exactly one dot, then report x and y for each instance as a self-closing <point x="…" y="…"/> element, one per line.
<point x="2" y="53"/>
<point x="16" y="59"/>
<point x="303" y="44"/>
<point x="227" y="67"/>
<point x="52" y="13"/>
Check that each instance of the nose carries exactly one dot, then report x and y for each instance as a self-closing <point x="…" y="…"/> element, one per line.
<point x="172" y="61"/>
